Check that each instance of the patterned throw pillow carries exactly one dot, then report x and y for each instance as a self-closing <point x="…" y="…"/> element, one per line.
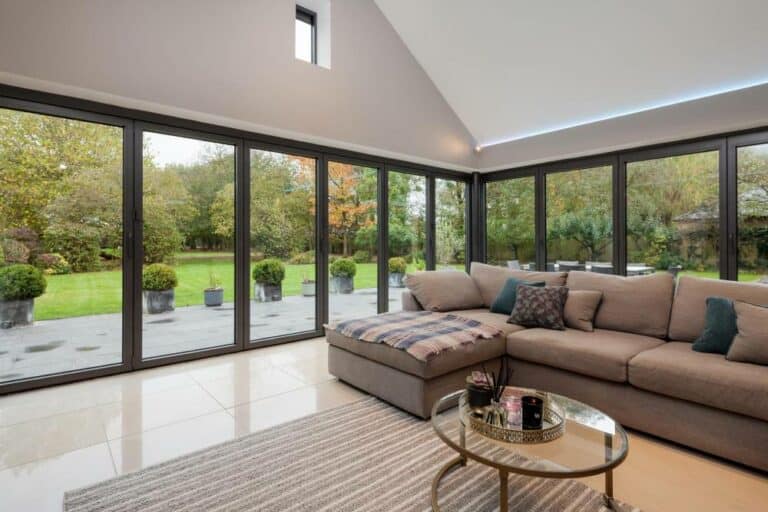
<point x="539" y="307"/>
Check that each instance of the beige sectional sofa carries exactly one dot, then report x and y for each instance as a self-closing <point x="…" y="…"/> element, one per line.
<point x="637" y="365"/>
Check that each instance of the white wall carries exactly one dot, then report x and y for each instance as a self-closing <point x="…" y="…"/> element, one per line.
<point x="744" y="109"/>
<point x="232" y="62"/>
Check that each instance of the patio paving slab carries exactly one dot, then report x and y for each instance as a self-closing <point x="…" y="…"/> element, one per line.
<point x="67" y="344"/>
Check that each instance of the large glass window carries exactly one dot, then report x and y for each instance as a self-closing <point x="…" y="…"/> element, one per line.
<point x="61" y="245"/>
<point x="407" y="230"/>
<point x="580" y="220"/>
<point x="673" y="215"/>
<point x="283" y="239"/>
<point x="510" y="222"/>
<point x="188" y="281"/>
<point x="450" y="224"/>
<point x="752" y="209"/>
<point x="353" y="240"/>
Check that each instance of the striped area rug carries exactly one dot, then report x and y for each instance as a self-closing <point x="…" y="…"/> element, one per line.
<point x="366" y="456"/>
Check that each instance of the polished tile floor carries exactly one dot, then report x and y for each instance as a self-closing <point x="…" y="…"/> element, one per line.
<point x="69" y="436"/>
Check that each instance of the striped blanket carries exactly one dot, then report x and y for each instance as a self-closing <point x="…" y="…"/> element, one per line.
<point x="423" y="334"/>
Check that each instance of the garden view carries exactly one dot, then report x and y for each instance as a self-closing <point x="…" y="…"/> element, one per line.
<point x="673" y="216"/>
<point x="62" y="197"/>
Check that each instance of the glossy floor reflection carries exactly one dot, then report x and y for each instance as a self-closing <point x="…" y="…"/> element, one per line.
<point x="65" y="437"/>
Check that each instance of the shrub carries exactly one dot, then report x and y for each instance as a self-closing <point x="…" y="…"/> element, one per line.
<point x="397" y="265"/>
<point x="2" y="255"/>
<point x="79" y="245"/>
<point x="21" y="282"/>
<point x="15" y="251"/>
<point x="159" y="277"/>
<point x="343" y="267"/>
<point x="161" y="238"/>
<point x="303" y="258"/>
<point x="53" y="264"/>
<point x="270" y="271"/>
<point x="361" y="257"/>
<point x="333" y="258"/>
<point x="27" y="237"/>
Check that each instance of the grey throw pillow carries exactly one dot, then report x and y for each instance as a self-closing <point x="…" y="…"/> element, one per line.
<point x="539" y="307"/>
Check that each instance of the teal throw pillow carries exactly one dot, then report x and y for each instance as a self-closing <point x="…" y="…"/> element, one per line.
<point x="505" y="300"/>
<point x="719" y="327"/>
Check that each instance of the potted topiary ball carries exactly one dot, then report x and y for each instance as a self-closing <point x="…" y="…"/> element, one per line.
<point x="158" y="283"/>
<point x="397" y="266"/>
<point x="20" y="285"/>
<point x="213" y="296"/>
<point x="343" y="276"/>
<point x="268" y="278"/>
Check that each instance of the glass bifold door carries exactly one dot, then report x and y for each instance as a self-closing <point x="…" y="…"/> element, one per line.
<point x="126" y="245"/>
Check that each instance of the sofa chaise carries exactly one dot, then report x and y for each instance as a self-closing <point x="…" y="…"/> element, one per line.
<point x="637" y="365"/>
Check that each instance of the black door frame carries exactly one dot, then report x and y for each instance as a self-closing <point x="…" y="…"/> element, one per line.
<point x="238" y="341"/>
<point x="732" y="199"/>
<point x="133" y="123"/>
<point x="128" y="272"/>
<point x="321" y="254"/>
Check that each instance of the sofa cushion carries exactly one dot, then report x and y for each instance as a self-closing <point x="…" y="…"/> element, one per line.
<point x="719" y="327"/>
<point x="444" y="290"/>
<point x="602" y="354"/>
<point x="505" y="301"/>
<point x="490" y="279"/>
<point x="441" y="364"/>
<point x="751" y="343"/>
<point x="690" y="305"/>
<point x="580" y="309"/>
<point x="673" y="369"/>
<point x="639" y="304"/>
<point x="540" y="307"/>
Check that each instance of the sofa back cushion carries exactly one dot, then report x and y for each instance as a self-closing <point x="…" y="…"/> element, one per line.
<point x="639" y="304"/>
<point x="444" y="290"/>
<point x="690" y="305"/>
<point x="751" y="343"/>
<point x="490" y="279"/>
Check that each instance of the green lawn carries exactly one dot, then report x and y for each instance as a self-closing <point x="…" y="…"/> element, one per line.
<point x="93" y="293"/>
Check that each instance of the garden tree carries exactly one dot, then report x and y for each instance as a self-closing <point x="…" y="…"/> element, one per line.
<point x="510" y="223"/>
<point x="38" y="153"/>
<point x="407" y="215"/>
<point x="351" y="203"/>
<point x="203" y="180"/>
<point x="450" y="234"/>
<point x="579" y="214"/>
<point x="282" y="205"/>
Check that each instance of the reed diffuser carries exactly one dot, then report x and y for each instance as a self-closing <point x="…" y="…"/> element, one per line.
<point x="495" y="414"/>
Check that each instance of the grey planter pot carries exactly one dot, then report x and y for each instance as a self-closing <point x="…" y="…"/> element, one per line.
<point x="16" y="313"/>
<point x="267" y="292"/>
<point x="396" y="280"/>
<point x="213" y="297"/>
<point x="343" y="285"/>
<point x="308" y="289"/>
<point x="156" y="302"/>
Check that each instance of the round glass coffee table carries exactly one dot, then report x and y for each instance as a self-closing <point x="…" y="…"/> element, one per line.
<point x="592" y="444"/>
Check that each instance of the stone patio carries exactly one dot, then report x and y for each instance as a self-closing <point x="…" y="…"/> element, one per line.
<point x="55" y="346"/>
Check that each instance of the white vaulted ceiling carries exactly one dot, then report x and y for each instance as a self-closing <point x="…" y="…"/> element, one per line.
<point x="512" y="69"/>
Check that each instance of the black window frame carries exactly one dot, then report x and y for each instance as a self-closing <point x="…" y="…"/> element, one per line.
<point x="134" y="123"/>
<point x="310" y="18"/>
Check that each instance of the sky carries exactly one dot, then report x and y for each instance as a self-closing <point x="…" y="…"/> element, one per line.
<point x="169" y="149"/>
